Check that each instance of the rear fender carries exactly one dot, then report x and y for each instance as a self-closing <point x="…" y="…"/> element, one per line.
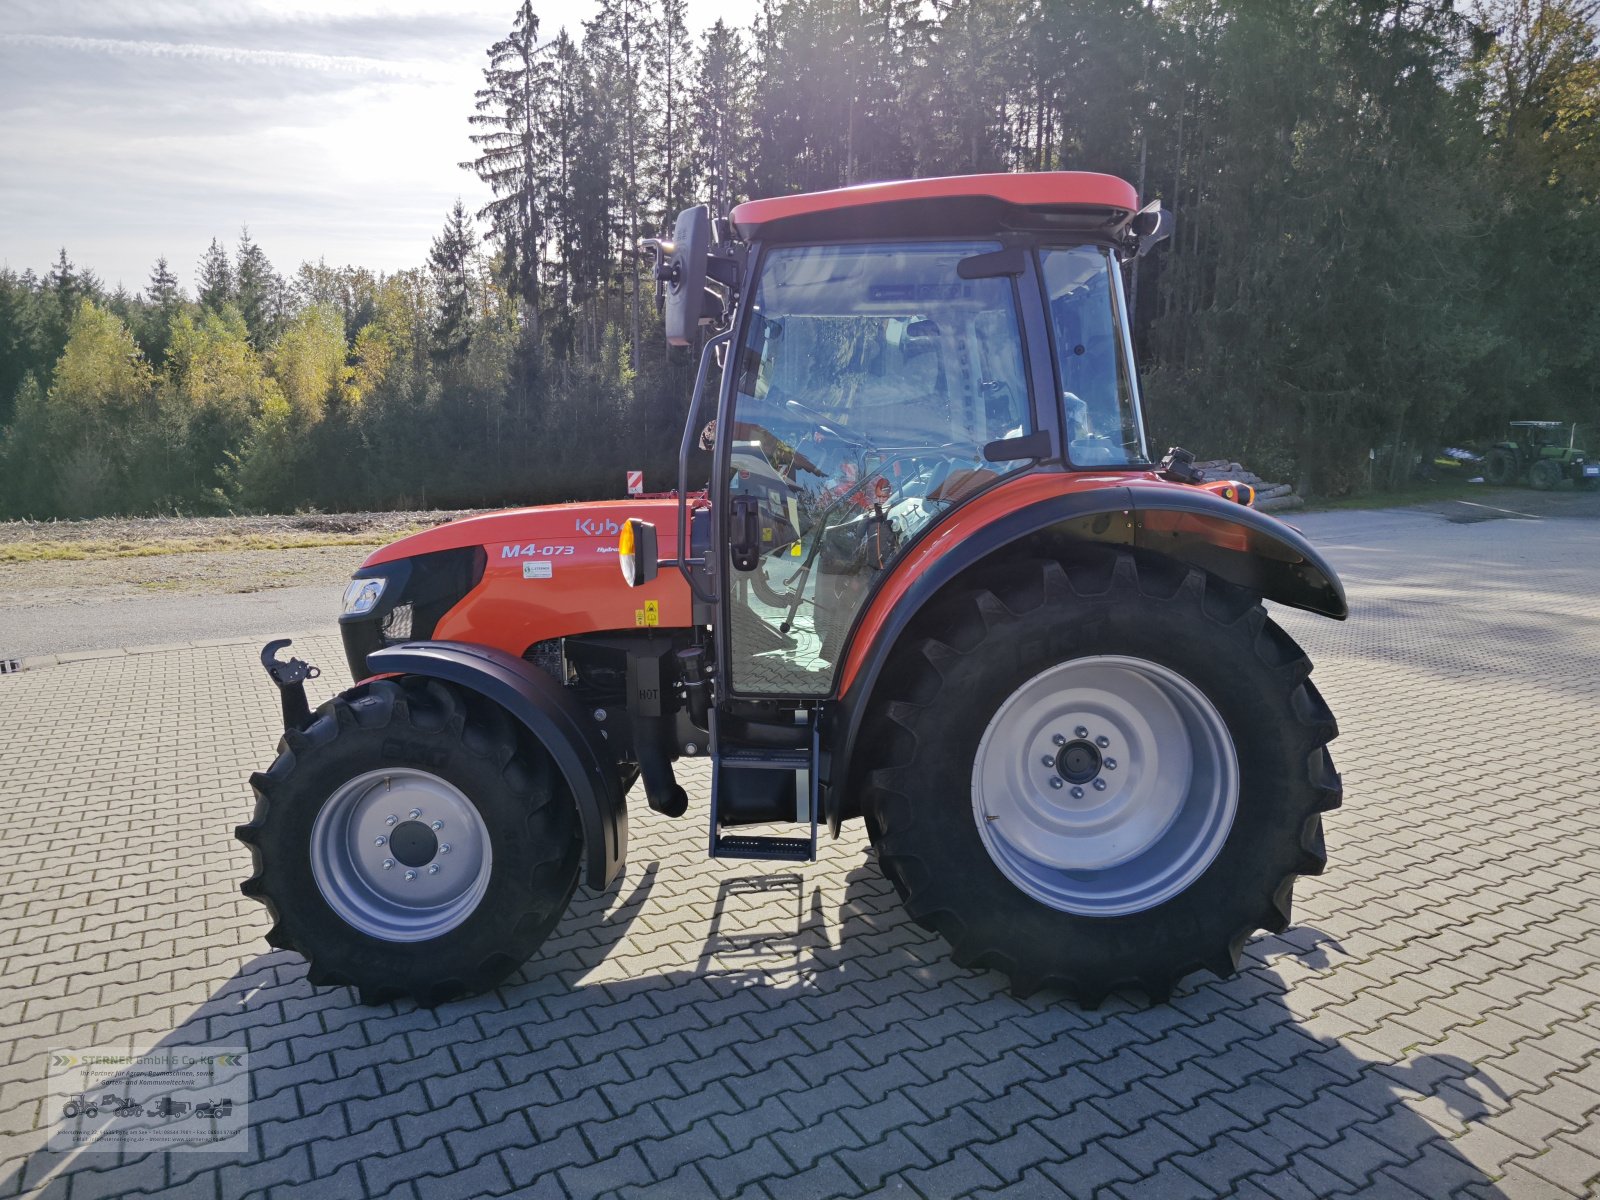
<point x="1237" y="544"/>
<point x="560" y="724"/>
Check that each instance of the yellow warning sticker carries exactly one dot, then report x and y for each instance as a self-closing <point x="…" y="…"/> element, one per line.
<point x="650" y="614"/>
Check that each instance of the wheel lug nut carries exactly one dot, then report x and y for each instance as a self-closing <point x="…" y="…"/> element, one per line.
<point x="411" y="874"/>
<point x="438" y="825"/>
<point x="444" y="848"/>
<point x="1099" y="785"/>
<point x="1055" y="781"/>
<point x="379" y="840"/>
<point x="1102" y="741"/>
<point x="415" y="813"/>
<point x="1080" y="731"/>
<point x="433" y="869"/>
<point x="1058" y="739"/>
<point x="388" y="863"/>
<point x="391" y="819"/>
<point x="1048" y="760"/>
<point x="1111" y="764"/>
<point x="1077" y="793"/>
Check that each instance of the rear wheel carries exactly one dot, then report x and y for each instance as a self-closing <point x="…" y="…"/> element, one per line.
<point x="412" y="841"/>
<point x="1500" y="468"/>
<point x="1132" y="778"/>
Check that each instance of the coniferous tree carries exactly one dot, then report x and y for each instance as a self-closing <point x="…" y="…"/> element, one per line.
<point x="160" y="303"/>
<point x="722" y="137"/>
<point x="215" y="284"/>
<point x="258" y="291"/>
<point x="65" y="288"/>
<point x="508" y="110"/>
<point x="21" y="337"/>
<point x="567" y="125"/>
<point x="448" y="265"/>
<point x="621" y="41"/>
<point x="669" y="70"/>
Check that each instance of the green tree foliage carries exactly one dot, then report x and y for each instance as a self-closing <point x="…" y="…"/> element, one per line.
<point x="216" y="285"/>
<point x="258" y="291"/>
<point x="511" y="132"/>
<point x="162" y="302"/>
<point x="1388" y="236"/>
<point x="449" y="264"/>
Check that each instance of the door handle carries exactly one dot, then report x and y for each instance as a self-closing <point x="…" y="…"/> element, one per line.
<point x="744" y="533"/>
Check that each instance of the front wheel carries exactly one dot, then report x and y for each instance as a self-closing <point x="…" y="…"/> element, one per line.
<point x="1545" y="475"/>
<point x="412" y="841"/>
<point x="1104" y="775"/>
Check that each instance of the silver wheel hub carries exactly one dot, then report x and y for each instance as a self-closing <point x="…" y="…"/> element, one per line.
<point x="400" y="855"/>
<point x="1105" y="785"/>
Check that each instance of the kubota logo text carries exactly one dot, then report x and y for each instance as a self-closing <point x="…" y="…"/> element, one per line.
<point x="597" y="526"/>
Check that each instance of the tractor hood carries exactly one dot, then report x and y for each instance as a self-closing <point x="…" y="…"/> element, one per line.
<point x="513" y="581"/>
<point x="551" y="530"/>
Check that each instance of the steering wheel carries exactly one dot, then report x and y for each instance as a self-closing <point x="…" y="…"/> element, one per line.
<point x="828" y="425"/>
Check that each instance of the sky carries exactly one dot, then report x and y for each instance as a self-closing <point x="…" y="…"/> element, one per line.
<point x="131" y="129"/>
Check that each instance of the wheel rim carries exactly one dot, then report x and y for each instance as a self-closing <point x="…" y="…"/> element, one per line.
<point x="430" y="835"/>
<point x="1105" y="785"/>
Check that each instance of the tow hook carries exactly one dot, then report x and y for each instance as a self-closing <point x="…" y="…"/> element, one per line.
<point x="291" y="679"/>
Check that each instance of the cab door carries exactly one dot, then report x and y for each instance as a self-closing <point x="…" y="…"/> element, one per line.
<point x="867" y="380"/>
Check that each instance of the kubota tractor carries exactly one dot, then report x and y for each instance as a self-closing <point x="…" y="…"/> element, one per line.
<point x="936" y="584"/>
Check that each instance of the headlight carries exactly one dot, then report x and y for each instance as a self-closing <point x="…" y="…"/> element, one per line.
<point x="362" y="596"/>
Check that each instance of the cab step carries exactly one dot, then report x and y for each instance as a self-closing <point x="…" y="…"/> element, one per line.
<point x="748" y="787"/>
<point x="767" y="849"/>
<point x="769" y="760"/>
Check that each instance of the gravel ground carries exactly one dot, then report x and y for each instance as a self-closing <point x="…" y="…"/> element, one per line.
<point x="138" y="530"/>
<point x="133" y="589"/>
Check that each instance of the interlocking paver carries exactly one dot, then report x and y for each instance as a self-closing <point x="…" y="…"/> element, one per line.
<point x="1425" y="1028"/>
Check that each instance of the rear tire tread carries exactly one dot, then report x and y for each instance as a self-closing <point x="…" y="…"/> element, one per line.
<point x="967" y="620"/>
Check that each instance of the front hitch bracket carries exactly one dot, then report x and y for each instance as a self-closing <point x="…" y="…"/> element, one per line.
<point x="291" y="679"/>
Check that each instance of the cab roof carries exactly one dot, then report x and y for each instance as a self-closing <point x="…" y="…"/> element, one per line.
<point x="1079" y="200"/>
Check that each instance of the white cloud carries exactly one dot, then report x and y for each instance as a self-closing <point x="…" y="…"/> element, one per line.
<point x="348" y="64"/>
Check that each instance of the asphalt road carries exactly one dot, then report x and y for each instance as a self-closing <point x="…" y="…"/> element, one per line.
<point x="96" y="624"/>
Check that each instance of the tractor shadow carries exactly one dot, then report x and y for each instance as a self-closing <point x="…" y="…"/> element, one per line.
<point x="791" y="981"/>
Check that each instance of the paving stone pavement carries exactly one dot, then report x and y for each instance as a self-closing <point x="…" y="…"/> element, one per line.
<point x="1429" y="1026"/>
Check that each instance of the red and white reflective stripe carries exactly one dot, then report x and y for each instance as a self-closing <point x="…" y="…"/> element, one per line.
<point x="635" y="483"/>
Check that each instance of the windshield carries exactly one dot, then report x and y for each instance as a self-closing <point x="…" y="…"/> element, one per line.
<point x="870" y="379"/>
<point x="1092" y="372"/>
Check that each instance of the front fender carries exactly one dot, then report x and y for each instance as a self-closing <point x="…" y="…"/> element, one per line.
<point x="560" y="724"/>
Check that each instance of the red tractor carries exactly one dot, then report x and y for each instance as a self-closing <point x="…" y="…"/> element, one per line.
<point x="936" y="583"/>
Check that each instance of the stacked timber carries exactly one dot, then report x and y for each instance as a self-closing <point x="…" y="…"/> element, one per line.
<point x="1270" y="497"/>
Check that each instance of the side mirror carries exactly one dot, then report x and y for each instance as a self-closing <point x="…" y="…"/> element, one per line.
<point x="684" y="274"/>
<point x="636" y="551"/>
<point x="1151" y="225"/>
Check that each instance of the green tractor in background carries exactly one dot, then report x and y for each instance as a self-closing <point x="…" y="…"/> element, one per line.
<point x="1541" y="454"/>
